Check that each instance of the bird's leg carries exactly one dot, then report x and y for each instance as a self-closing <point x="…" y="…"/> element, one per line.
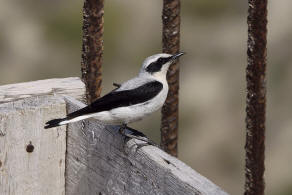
<point x="136" y="135"/>
<point x="122" y="129"/>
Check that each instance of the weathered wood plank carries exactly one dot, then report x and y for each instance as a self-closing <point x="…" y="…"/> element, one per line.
<point x="32" y="160"/>
<point x="72" y="86"/>
<point x="100" y="161"/>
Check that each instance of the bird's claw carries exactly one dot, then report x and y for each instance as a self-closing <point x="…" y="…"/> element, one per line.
<point x="137" y="135"/>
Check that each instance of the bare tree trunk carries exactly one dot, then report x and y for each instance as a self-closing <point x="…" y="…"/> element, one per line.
<point x="256" y="97"/>
<point x="92" y="47"/>
<point x="171" y="40"/>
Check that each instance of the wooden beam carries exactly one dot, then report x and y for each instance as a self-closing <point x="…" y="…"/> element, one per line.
<point x="32" y="160"/>
<point x="101" y="161"/>
<point x="88" y="158"/>
<point x="71" y="85"/>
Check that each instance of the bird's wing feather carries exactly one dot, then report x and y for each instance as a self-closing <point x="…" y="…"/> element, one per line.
<point x="123" y="98"/>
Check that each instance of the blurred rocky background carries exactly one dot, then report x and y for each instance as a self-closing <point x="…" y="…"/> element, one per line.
<point x="42" y="39"/>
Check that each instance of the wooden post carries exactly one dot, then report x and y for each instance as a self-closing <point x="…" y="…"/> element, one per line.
<point x="32" y="160"/>
<point x="29" y="156"/>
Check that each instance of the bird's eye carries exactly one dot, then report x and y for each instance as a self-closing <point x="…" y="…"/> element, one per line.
<point x="160" y="61"/>
<point x="156" y="65"/>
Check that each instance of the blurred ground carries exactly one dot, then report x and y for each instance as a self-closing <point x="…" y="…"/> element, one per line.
<point x="42" y="39"/>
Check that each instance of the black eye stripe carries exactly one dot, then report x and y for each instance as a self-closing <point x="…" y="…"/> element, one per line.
<point x="156" y="66"/>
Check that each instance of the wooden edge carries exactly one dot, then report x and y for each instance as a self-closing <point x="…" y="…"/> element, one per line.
<point x="72" y="85"/>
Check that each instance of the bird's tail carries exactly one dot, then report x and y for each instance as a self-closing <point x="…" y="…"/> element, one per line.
<point x="72" y="117"/>
<point x="55" y="123"/>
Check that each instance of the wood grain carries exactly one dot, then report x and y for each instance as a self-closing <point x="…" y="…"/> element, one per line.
<point x="101" y="161"/>
<point x="88" y="158"/>
<point x="32" y="159"/>
<point x="71" y="85"/>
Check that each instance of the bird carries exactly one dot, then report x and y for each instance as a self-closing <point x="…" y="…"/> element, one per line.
<point x="131" y="100"/>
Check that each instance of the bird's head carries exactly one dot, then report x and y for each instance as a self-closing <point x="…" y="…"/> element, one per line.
<point x="158" y="64"/>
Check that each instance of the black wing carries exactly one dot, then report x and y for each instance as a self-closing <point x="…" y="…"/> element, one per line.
<point x="116" y="99"/>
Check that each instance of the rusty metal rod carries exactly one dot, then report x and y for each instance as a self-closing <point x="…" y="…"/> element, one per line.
<point x="171" y="41"/>
<point x="256" y="97"/>
<point x="92" y="47"/>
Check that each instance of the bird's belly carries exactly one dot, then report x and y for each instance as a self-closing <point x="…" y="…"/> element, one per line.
<point x="122" y="115"/>
<point x="139" y="111"/>
<point x="128" y="114"/>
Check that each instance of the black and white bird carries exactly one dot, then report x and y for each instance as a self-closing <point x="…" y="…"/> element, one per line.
<point x="132" y="100"/>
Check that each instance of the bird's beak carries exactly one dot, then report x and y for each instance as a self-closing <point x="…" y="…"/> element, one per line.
<point x="175" y="56"/>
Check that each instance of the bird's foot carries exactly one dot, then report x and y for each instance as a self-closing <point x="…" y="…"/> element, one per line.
<point x="122" y="129"/>
<point x="134" y="134"/>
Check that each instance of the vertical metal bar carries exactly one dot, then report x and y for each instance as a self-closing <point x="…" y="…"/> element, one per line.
<point x="92" y="47"/>
<point x="171" y="41"/>
<point x="256" y="97"/>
